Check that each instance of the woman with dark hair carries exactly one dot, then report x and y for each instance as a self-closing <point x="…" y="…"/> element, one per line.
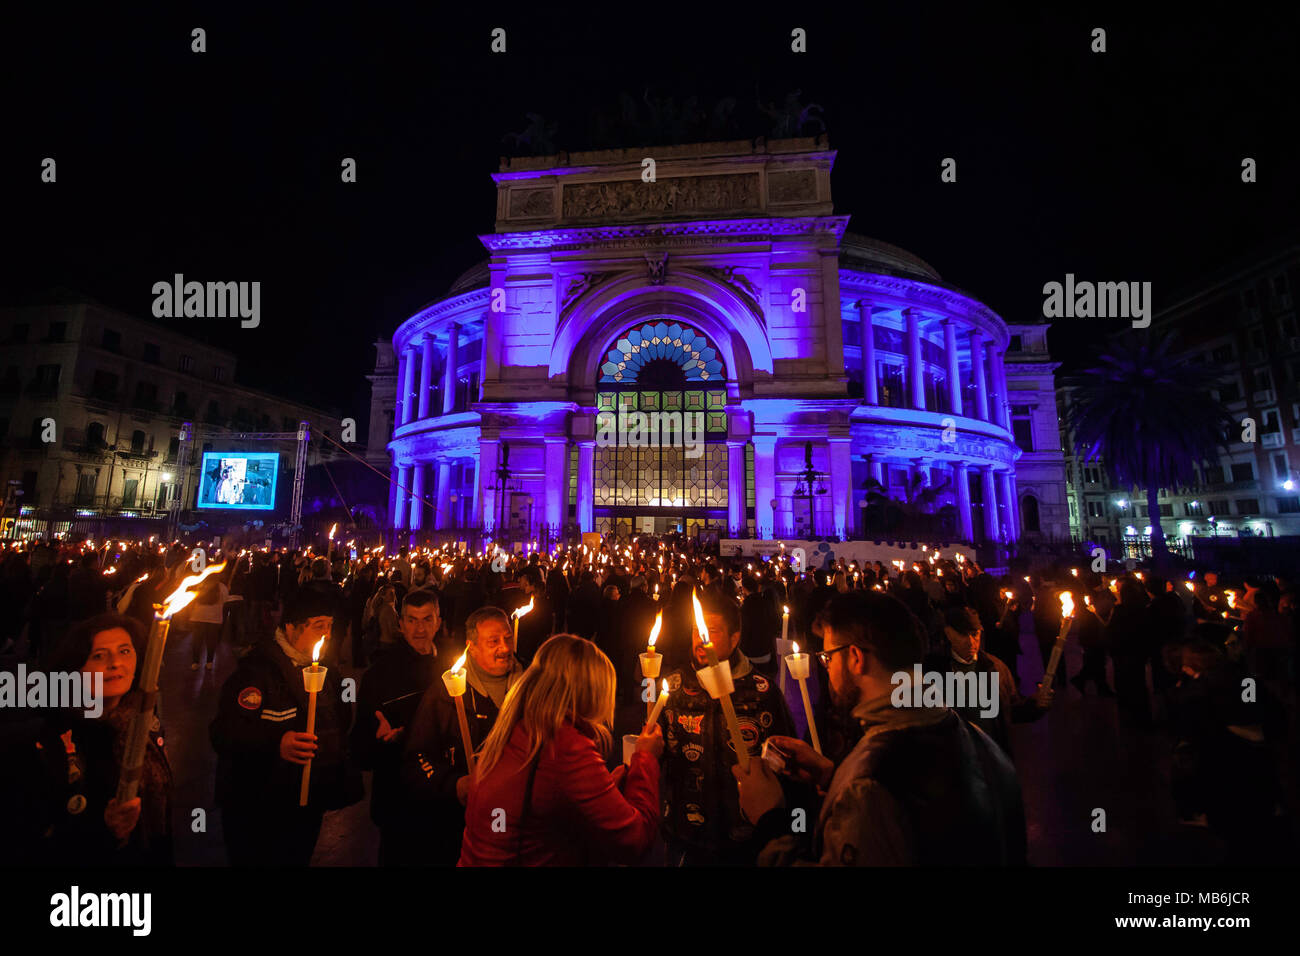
<point x="77" y="760"/>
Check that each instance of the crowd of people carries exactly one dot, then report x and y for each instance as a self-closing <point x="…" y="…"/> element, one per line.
<point x="529" y="773"/>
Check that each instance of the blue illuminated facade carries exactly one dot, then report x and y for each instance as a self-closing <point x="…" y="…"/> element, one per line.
<point x="724" y="288"/>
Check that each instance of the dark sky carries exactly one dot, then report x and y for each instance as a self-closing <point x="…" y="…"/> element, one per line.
<point x="225" y="165"/>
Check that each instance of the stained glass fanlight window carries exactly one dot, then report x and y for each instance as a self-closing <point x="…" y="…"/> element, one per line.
<point x="658" y="347"/>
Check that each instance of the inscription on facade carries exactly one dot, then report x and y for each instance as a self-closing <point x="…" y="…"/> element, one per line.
<point x="683" y="195"/>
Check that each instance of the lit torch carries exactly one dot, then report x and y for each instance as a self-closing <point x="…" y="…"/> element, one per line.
<point x="517" y="614"/>
<point x="1067" y="615"/>
<point x="455" y="680"/>
<point x="716" y="679"/>
<point x="313" y="679"/>
<point x="142" y="720"/>
<point x="651" y="662"/>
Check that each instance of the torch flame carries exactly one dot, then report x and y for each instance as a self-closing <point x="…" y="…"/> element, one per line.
<point x="654" y="630"/>
<point x="699" y="618"/>
<point x="334" y="528"/>
<point x="1232" y="598"/>
<point x="795" y="645"/>
<point x="460" y="663"/>
<point x="521" y="611"/>
<point x="665" y="686"/>
<point x="1067" y="604"/>
<point x="785" y="609"/>
<point x="315" y="651"/>
<point x="1190" y="586"/>
<point x="180" y="599"/>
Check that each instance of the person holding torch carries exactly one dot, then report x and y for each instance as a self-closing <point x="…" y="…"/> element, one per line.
<point x="262" y="744"/>
<point x="701" y="816"/>
<point x="435" y="774"/>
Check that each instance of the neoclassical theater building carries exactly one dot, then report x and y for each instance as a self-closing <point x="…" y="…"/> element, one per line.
<point x="714" y="281"/>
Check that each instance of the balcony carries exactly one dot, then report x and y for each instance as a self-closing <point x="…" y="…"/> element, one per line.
<point x="138" y="455"/>
<point x="1272" y="439"/>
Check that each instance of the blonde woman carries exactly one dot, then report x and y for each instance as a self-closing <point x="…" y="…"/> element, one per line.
<point x="541" y="795"/>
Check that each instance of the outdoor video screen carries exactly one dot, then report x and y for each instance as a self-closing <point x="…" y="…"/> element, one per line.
<point x="239" y="480"/>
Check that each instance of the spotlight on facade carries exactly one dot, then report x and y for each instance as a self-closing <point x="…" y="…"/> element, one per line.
<point x="1147" y="529"/>
<point x="1129" y="529"/>
<point x="167" y="476"/>
<point x="1122" y="502"/>
<point x="1289" y="485"/>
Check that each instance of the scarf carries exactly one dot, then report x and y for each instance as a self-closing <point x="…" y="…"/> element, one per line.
<point x="155" y="775"/>
<point x="301" y="658"/>
<point x="494" y="687"/>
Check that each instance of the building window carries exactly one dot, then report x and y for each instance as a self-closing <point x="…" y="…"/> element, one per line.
<point x="1243" y="471"/>
<point x="58" y="331"/>
<point x="1219" y="507"/>
<point x="1223" y="354"/>
<point x="137" y="442"/>
<point x="173" y="448"/>
<point x="152" y="353"/>
<point x="1192" y="509"/>
<point x="573" y="476"/>
<point x="219" y="373"/>
<point x="1167" y="511"/>
<point x="187" y="363"/>
<point x="47" y="379"/>
<point x="1022" y="427"/>
<point x="1096" y="509"/>
<point x="892" y="394"/>
<point x="1029" y="514"/>
<point x="111" y="340"/>
<point x="1288" y="505"/>
<point x="1091" y="475"/>
<point x="104" y="386"/>
<point x="1247" y="506"/>
<point x="1281" y="466"/>
<point x="1261" y="378"/>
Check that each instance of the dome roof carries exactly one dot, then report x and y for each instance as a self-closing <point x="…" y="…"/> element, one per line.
<point x="872" y="255"/>
<point x="475" y="277"/>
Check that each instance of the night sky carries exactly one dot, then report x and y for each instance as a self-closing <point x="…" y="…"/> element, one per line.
<point x="1121" y="166"/>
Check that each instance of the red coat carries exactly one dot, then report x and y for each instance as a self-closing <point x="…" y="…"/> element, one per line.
<point x="578" y="815"/>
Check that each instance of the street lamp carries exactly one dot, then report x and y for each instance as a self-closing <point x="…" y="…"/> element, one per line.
<point x="804" y="488"/>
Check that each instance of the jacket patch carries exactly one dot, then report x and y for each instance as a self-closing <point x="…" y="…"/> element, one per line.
<point x="280" y="716"/>
<point x="691" y="722"/>
<point x="761" y="684"/>
<point x="250" y="698"/>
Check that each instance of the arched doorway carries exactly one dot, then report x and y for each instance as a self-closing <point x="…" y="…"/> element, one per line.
<point x="661" y="428"/>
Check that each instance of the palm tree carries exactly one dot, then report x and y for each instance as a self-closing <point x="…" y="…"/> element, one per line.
<point x="1150" y="416"/>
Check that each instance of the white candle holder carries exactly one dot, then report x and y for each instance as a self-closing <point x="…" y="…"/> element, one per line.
<point x="650" y="664"/>
<point x="313" y="678"/>
<point x="629" y="748"/>
<point x="784" y="647"/>
<point x="798" y="665"/>
<point x="717" y="680"/>
<point x="455" y="682"/>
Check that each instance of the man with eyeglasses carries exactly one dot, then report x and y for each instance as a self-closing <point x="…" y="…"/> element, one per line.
<point x="387" y="700"/>
<point x="920" y="787"/>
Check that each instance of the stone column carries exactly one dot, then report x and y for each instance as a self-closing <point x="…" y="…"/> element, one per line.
<point x="487" y="465"/>
<point x="842" y="505"/>
<point x="961" y="480"/>
<point x="555" y="508"/>
<point x="954" y="366"/>
<point x="764" y="485"/>
<point x="876" y="465"/>
<point x="1003" y="416"/>
<point x="990" y="503"/>
<point x="977" y="373"/>
<point x="403" y="382"/>
<point x="417" y="495"/>
<point x="449" y="372"/>
<point x="393" y="496"/>
<point x="915" y="370"/>
<point x="587" y="485"/>
<point x="735" y="487"/>
<point x="443" y="517"/>
<point x="403" y="498"/>
<point x="870" y="387"/>
<point x="476" y="506"/>
<point x="426" y="377"/>
<point x="1008" y="520"/>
